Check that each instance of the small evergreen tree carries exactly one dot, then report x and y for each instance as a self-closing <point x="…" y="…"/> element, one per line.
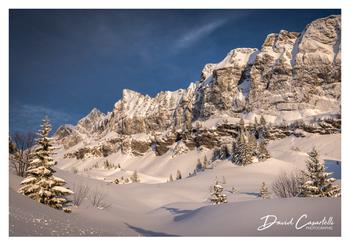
<point x="318" y="182"/>
<point x="264" y="192"/>
<point x="263" y="129"/>
<point x="217" y="196"/>
<point x="40" y="184"/>
<point x="134" y="177"/>
<point x="178" y="175"/>
<point x="262" y="152"/>
<point x="241" y="126"/>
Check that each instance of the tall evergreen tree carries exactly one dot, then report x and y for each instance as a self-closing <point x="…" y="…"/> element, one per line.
<point x="40" y="184"/>
<point x="263" y="129"/>
<point x="318" y="182"/>
<point x="243" y="152"/>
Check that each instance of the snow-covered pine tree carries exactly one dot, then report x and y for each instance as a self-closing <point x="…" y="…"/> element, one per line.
<point x="263" y="129"/>
<point x="224" y="152"/>
<point x="243" y="152"/>
<point x="264" y="192"/>
<point x="178" y="175"/>
<point x="252" y="144"/>
<point x="262" y="152"/>
<point x="241" y="126"/>
<point x="40" y="184"/>
<point x="318" y="182"/>
<point x="217" y="196"/>
<point x="171" y="178"/>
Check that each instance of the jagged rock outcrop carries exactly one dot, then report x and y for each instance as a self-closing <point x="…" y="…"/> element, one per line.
<point x="293" y="76"/>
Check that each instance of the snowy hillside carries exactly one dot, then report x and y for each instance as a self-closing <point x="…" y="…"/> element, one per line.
<point x="182" y="207"/>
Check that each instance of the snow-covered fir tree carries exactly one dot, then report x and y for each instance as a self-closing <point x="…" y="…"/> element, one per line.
<point x="241" y="126"/>
<point x="318" y="182"/>
<point x="264" y="192"/>
<point x="242" y="152"/>
<point x="217" y="196"/>
<point x="263" y="129"/>
<point x="40" y="184"/>
<point x="262" y="152"/>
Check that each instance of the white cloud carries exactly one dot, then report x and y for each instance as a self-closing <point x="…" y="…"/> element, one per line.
<point x="194" y="35"/>
<point x="26" y="117"/>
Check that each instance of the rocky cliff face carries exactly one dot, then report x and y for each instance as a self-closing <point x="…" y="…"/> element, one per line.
<point x="293" y="76"/>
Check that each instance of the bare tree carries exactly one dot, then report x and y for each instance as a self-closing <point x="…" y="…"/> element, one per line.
<point x="287" y="185"/>
<point x="21" y="158"/>
<point x="81" y="191"/>
<point x="98" y="199"/>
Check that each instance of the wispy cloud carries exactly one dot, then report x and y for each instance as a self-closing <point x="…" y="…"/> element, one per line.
<point x="196" y="34"/>
<point x="26" y="117"/>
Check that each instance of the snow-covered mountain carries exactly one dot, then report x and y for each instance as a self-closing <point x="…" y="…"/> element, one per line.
<point x="292" y="77"/>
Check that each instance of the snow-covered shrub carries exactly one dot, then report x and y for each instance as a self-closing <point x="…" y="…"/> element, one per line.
<point x="40" y="184"/>
<point x="98" y="199"/>
<point x="287" y="185"/>
<point x="81" y="191"/>
<point x="318" y="182"/>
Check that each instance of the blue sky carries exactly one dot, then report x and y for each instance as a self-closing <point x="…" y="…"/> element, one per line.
<point x="65" y="62"/>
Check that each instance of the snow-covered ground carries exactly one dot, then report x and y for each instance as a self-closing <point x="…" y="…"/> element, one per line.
<point x="159" y="208"/>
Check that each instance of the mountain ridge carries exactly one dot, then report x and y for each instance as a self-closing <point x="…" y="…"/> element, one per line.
<point x="294" y="76"/>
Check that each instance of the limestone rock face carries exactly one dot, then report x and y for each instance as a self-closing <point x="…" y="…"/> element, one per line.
<point x="224" y="83"/>
<point x="90" y="123"/>
<point x="294" y="75"/>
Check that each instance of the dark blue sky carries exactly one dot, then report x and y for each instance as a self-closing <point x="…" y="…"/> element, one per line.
<point x="65" y="62"/>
